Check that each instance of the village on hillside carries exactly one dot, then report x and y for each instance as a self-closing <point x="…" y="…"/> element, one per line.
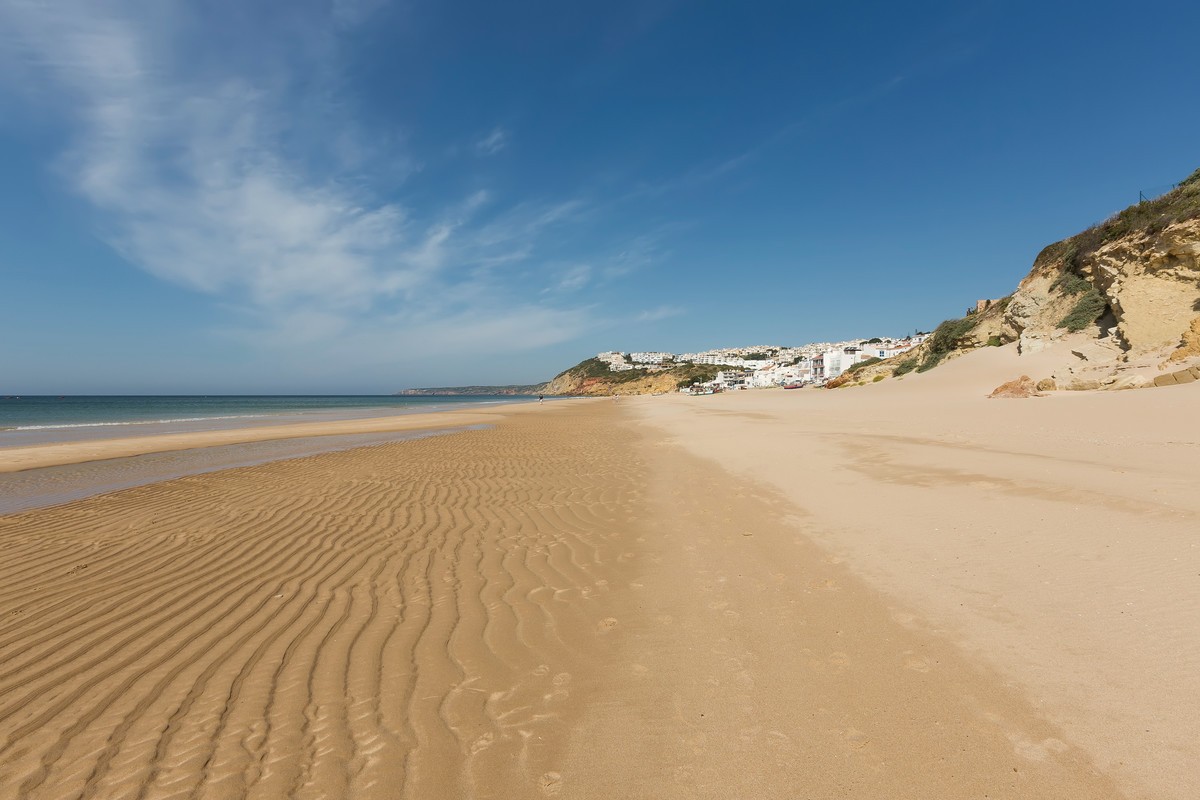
<point x="767" y="366"/>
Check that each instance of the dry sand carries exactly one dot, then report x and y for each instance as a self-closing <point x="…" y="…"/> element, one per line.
<point x="582" y="602"/>
<point x="1054" y="539"/>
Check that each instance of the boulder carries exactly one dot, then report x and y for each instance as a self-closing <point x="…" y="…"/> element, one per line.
<point x="1020" y="387"/>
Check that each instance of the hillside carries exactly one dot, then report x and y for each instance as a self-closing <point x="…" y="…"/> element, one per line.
<point x="514" y="389"/>
<point x="592" y="377"/>
<point x="1120" y="299"/>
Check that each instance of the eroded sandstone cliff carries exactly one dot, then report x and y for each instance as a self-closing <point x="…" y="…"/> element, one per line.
<point x="1121" y="298"/>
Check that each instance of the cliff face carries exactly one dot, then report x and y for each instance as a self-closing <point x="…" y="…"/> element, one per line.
<point x="1121" y="298"/>
<point x="1149" y="283"/>
<point x="593" y="378"/>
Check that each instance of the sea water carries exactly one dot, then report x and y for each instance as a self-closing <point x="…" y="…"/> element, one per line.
<point x="43" y="419"/>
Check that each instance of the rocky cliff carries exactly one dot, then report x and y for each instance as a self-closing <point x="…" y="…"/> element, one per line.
<point x="1128" y="290"/>
<point x="1122" y="297"/>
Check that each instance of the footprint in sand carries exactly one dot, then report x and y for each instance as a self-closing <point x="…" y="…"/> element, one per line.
<point x="561" y="679"/>
<point x="838" y="660"/>
<point x="482" y="743"/>
<point x="1039" y="751"/>
<point x="607" y="624"/>
<point x="915" y="662"/>
<point x="856" y="739"/>
<point x="550" y="783"/>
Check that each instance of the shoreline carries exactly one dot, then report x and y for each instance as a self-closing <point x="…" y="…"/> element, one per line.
<point x="26" y="457"/>
<point x="44" y="487"/>
<point x="51" y="421"/>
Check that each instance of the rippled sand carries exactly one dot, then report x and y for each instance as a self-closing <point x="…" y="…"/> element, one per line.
<point x="566" y="604"/>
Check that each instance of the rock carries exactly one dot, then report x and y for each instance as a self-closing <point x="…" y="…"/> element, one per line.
<point x="1021" y="387"/>
<point x="1184" y="376"/>
<point x="1190" y="344"/>
<point x="1032" y="342"/>
<point x="1084" y="384"/>
<point x="1047" y="385"/>
<point x="1165" y="380"/>
<point x="1131" y="382"/>
<point x="1150" y="282"/>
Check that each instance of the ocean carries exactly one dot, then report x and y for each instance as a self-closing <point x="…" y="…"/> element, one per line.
<point x="41" y="419"/>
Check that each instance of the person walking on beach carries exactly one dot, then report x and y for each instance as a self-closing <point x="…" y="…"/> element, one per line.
<point x="539" y="398"/>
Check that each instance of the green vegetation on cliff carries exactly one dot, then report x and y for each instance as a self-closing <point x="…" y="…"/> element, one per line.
<point x="1148" y="217"/>
<point x="593" y="377"/>
<point x="687" y="374"/>
<point x="595" y="368"/>
<point x="1087" y="310"/>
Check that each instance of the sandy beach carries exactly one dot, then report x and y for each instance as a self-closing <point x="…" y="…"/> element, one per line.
<point x="886" y="592"/>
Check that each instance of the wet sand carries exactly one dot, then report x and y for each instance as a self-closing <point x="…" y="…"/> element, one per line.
<point x="574" y="602"/>
<point x="49" y="486"/>
<point x="38" y="456"/>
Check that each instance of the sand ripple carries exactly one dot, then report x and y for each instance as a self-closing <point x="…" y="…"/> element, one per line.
<point x="402" y="620"/>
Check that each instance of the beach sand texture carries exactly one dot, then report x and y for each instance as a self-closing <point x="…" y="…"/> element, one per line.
<point x="575" y="603"/>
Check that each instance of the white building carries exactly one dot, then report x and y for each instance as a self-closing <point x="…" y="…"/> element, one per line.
<point x="839" y="359"/>
<point x="650" y="358"/>
<point x="730" y="379"/>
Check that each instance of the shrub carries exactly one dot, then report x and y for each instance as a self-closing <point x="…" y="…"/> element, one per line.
<point x="904" y="367"/>
<point x="944" y="339"/>
<point x="1070" y="283"/>
<point x="877" y="379"/>
<point x="865" y="363"/>
<point x="1149" y="217"/>
<point x="687" y="374"/>
<point x="1087" y="310"/>
<point x="995" y="341"/>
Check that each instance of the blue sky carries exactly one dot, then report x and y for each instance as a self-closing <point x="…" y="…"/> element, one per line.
<point x="363" y="195"/>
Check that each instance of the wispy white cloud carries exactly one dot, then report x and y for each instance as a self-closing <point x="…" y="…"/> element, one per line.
<point x="659" y="313"/>
<point x="493" y="143"/>
<point x="572" y="279"/>
<point x="195" y="175"/>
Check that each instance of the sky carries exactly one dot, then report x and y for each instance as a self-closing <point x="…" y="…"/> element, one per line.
<point x="359" y="196"/>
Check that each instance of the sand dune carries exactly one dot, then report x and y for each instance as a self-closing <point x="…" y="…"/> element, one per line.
<point x="568" y="604"/>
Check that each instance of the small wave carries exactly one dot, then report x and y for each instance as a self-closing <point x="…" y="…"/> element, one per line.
<point x="64" y="426"/>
